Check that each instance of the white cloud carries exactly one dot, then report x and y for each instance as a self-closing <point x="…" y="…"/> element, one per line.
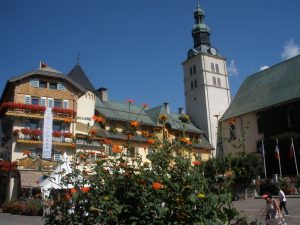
<point x="290" y="49"/>
<point x="263" y="68"/>
<point x="232" y="69"/>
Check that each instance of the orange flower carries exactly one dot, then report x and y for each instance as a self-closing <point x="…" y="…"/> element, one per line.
<point x="92" y="132"/>
<point x="196" y="163"/>
<point x="145" y="105"/>
<point x="129" y="136"/>
<point x="116" y="149"/>
<point x="92" y="153"/>
<point x="134" y="123"/>
<point x="73" y="145"/>
<point x="156" y="186"/>
<point x="67" y="120"/>
<point x="106" y="141"/>
<point x="130" y="101"/>
<point x="97" y="119"/>
<point x="73" y="190"/>
<point x="26" y="152"/>
<point x="184" y="140"/>
<point x="151" y="141"/>
<point x="85" y="189"/>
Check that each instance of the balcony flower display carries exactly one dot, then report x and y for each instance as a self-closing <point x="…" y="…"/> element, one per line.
<point x="36" y="132"/>
<point x="98" y="119"/>
<point x="21" y="106"/>
<point x="56" y="133"/>
<point x="25" y="131"/>
<point x="16" y="132"/>
<point x="69" y="112"/>
<point x="67" y="135"/>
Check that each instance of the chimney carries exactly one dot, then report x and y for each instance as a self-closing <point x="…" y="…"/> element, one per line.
<point x="180" y="111"/>
<point x="167" y="107"/>
<point x="102" y="94"/>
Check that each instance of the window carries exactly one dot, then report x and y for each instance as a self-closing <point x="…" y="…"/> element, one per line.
<point x="61" y="87"/>
<point x="34" y="83"/>
<point x="42" y="84"/>
<point x="53" y="86"/>
<point x="212" y="65"/>
<point x="214" y="81"/>
<point x="192" y="85"/>
<point x="219" y="82"/>
<point x="50" y="102"/>
<point x="65" y="104"/>
<point x="217" y="68"/>
<point x="35" y="101"/>
<point x="191" y="71"/>
<point x="131" y="151"/>
<point x="57" y="126"/>
<point x="57" y="156"/>
<point x="57" y="103"/>
<point x="43" y="101"/>
<point x="27" y="99"/>
<point x="195" y="82"/>
<point x="194" y="68"/>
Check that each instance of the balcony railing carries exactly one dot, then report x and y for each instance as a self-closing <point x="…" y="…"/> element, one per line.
<point x="21" y="109"/>
<point x="36" y="138"/>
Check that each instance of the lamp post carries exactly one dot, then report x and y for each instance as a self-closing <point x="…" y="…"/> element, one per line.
<point x="217" y="126"/>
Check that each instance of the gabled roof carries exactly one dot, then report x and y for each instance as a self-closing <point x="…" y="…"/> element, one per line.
<point x="78" y="75"/>
<point x="273" y="86"/>
<point x="45" y="73"/>
<point x="120" y="111"/>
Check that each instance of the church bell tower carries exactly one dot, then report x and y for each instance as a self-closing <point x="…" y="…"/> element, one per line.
<point x="206" y="87"/>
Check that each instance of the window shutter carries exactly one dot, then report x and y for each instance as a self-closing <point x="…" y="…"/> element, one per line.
<point x="27" y="99"/>
<point x="43" y="101"/>
<point x="34" y="83"/>
<point x="57" y="156"/>
<point x="50" y="102"/>
<point x="61" y="87"/>
<point x="65" y="104"/>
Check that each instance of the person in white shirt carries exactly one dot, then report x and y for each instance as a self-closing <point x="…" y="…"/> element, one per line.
<point x="282" y="204"/>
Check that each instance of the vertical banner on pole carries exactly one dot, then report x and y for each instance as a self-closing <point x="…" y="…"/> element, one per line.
<point x="277" y="156"/>
<point x="264" y="156"/>
<point x="47" y="134"/>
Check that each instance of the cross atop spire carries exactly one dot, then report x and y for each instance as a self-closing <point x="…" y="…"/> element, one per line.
<point x="78" y="58"/>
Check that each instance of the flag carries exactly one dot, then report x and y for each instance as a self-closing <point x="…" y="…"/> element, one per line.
<point x="291" y="151"/>
<point x="277" y="152"/>
<point x="43" y="65"/>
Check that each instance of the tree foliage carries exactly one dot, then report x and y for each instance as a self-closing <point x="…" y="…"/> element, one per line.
<point x="169" y="189"/>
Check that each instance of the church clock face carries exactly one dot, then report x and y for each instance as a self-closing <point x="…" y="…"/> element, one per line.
<point x="213" y="51"/>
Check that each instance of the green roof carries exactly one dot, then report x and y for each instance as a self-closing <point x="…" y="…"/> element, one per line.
<point x="273" y="86"/>
<point x="119" y="111"/>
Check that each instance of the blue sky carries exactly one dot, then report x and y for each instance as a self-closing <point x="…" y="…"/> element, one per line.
<point x="135" y="47"/>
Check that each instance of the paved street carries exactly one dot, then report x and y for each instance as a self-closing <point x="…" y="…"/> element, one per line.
<point x="252" y="208"/>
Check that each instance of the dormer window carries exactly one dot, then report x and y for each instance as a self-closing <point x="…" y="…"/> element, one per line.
<point x="53" y="86"/>
<point x="42" y="84"/>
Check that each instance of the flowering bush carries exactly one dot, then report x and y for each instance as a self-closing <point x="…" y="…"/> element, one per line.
<point x="169" y="190"/>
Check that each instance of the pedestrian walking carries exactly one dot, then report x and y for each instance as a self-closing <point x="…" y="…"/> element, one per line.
<point x="282" y="200"/>
<point x="273" y="213"/>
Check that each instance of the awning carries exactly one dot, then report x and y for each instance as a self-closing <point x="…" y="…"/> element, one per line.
<point x="29" y="178"/>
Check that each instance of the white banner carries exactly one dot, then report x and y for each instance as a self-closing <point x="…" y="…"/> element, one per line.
<point x="47" y="134"/>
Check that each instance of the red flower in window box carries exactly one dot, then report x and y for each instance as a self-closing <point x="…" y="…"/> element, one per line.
<point x="97" y="119"/>
<point x="67" y="135"/>
<point x="107" y="141"/>
<point x="16" y="132"/>
<point x="56" y="133"/>
<point x="64" y="111"/>
<point x="36" y="132"/>
<point x="25" y="131"/>
<point x="92" y="132"/>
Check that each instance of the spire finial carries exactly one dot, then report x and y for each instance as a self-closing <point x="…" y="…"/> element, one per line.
<point x="198" y="4"/>
<point x="78" y="58"/>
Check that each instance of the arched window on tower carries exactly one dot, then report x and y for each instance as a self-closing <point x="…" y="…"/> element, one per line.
<point x="217" y="68"/>
<point x="191" y="71"/>
<point x="219" y="82"/>
<point x="212" y="65"/>
<point x="194" y="67"/>
<point x="195" y="82"/>
<point x="214" y="81"/>
<point x="192" y="85"/>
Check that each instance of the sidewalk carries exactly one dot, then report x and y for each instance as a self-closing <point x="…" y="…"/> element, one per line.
<point x="9" y="219"/>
